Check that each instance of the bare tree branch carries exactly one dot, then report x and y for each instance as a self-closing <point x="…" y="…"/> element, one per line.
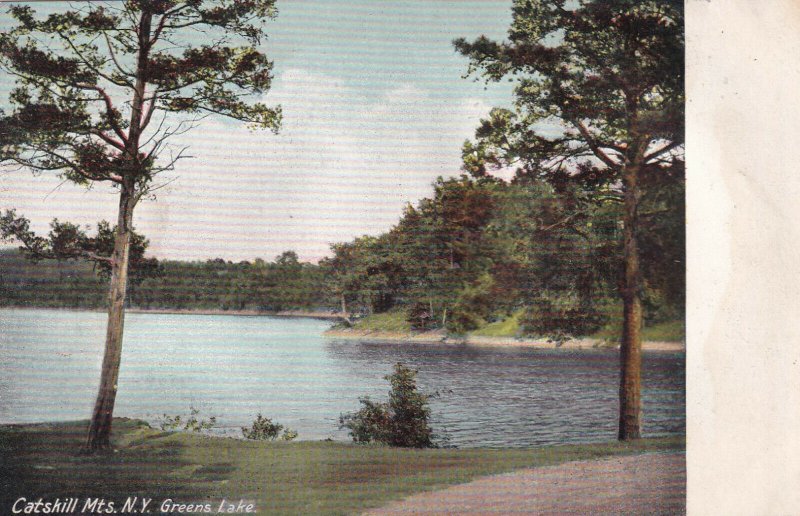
<point x="114" y="57"/>
<point x="90" y="66"/>
<point x="590" y="140"/>
<point x="662" y="150"/>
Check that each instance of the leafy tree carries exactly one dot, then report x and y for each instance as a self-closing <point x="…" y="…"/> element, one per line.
<point x="600" y="103"/>
<point x="547" y="245"/>
<point x="291" y="284"/>
<point x="473" y="304"/>
<point x="365" y="274"/>
<point x="101" y="89"/>
<point x="345" y="274"/>
<point x="443" y="242"/>
<point x="662" y="242"/>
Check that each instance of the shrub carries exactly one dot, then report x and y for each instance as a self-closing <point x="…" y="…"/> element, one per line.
<point x="372" y="423"/>
<point x="559" y="320"/>
<point x="403" y="421"/>
<point x="192" y="424"/>
<point x="420" y="318"/>
<point x="263" y="429"/>
<point x="462" y="320"/>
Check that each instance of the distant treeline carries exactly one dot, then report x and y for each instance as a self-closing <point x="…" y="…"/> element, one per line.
<point x="478" y="251"/>
<point x="283" y="284"/>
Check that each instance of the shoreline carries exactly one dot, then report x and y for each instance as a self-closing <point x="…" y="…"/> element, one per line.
<point x="238" y="313"/>
<point x="440" y="338"/>
<point x="179" y="311"/>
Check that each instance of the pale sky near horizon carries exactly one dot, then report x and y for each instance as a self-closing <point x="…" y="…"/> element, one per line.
<point x="374" y="109"/>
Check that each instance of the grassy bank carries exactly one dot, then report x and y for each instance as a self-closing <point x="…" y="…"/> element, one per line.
<point x="508" y="327"/>
<point x="392" y="326"/>
<point x="40" y="461"/>
<point x="670" y="331"/>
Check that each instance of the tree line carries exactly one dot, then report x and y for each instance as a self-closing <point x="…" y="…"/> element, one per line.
<point x="282" y="284"/>
<point x="482" y="249"/>
<point x="479" y="250"/>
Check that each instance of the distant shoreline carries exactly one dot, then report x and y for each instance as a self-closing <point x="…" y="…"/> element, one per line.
<point x="439" y="337"/>
<point x="429" y="337"/>
<point x="175" y="311"/>
<point x="239" y="313"/>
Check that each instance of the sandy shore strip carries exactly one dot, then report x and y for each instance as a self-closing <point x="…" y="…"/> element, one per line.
<point x="438" y="337"/>
<point x="641" y="484"/>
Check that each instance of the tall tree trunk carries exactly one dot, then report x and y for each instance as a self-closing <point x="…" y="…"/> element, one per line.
<point x="100" y="424"/>
<point x="630" y="402"/>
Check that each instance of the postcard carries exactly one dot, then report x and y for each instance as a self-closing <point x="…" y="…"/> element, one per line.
<point x="344" y="257"/>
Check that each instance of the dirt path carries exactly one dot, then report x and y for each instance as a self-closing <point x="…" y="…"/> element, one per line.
<point x="641" y="484"/>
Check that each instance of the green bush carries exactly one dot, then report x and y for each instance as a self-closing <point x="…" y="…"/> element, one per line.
<point x="420" y="317"/>
<point x="372" y="423"/>
<point x="263" y="429"/>
<point x="190" y="424"/>
<point x="463" y="320"/>
<point x="403" y="421"/>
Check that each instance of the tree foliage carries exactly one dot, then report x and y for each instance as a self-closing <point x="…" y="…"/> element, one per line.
<point x="172" y="285"/>
<point x="592" y="80"/>
<point x="528" y="246"/>
<point x="95" y="85"/>
<point x="67" y="241"/>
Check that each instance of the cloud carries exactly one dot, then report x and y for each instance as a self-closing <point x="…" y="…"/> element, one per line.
<point x="344" y="164"/>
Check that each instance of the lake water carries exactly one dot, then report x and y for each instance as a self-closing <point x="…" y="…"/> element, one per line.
<point x="234" y="367"/>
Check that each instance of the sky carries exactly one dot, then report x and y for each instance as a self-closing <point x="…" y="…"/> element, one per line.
<point x="375" y="108"/>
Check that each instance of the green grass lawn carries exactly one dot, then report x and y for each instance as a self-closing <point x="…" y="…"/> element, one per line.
<point x="670" y="331"/>
<point x="42" y="461"/>
<point x="508" y="327"/>
<point x="391" y="321"/>
<point x="395" y="321"/>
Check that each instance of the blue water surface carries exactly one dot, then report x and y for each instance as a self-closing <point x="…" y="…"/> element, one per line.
<point x="234" y="367"/>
